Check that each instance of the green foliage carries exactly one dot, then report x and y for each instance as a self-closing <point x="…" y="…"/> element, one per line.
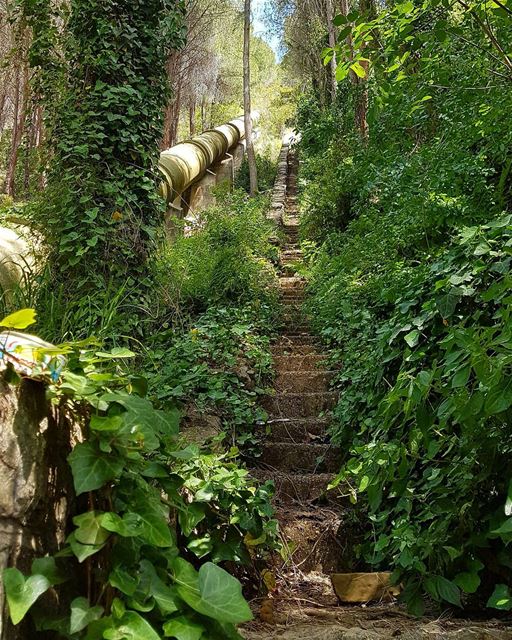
<point x="151" y="504"/>
<point x="266" y="173"/>
<point x="104" y="112"/>
<point x="220" y="363"/>
<point x="411" y="290"/>
<point x="227" y="261"/>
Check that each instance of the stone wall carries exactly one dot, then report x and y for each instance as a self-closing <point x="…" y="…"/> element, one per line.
<point x="35" y="483"/>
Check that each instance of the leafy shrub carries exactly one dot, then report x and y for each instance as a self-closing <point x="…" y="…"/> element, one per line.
<point x="221" y="363"/>
<point x="266" y="167"/>
<point x="227" y="261"/>
<point x="410" y="284"/>
<point x="155" y="511"/>
<point x="432" y="443"/>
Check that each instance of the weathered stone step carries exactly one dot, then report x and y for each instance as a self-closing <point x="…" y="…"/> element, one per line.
<point x="299" y="405"/>
<point x="287" y="348"/>
<point x="311" y="537"/>
<point x="301" y="457"/>
<point x="297" y="338"/>
<point x="303" y="381"/>
<point x="298" y="430"/>
<point x="298" y="362"/>
<point x="299" y="487"/>
<point x="292" y="283"/>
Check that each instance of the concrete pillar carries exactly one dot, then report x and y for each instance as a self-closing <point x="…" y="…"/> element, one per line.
<point x="238" y="155"/>
<point x="201" y="193"/>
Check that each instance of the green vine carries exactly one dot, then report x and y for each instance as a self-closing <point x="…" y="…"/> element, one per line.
<point x="104" y="88"/>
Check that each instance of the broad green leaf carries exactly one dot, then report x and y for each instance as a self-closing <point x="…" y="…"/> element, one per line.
<point x="505" y="528"/>
<point x="48" y="568"/>
<point x="123" y="580"/>
<point x="20" y="319"/>
<point x="412" y="338"/>
<point x="129" y="526"/>
<point x="468" y="581"/>
<point x="358" y="69"/>
<point x="82" y="614"/>
<point x="89" y="529"/>
<point x="442" y="589"/>
<point x="117" y="352"/>
<point x="22" y="592"/>
<point x="141" y="409"/>
<point x="499" y="397"/>
<point x="165" y="596"/>
<point x="212" y="592"/>
<point x="83" y="551"/>
<point x="190" y="517"/>
<point x="154" y="518"/>
<point x="501" y="598"/>
<point x="183" y="628"/>
<point x="132" y="626"/>
<point x="91" y="468"/>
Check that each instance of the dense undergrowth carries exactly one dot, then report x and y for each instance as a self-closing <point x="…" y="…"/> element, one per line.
<point x="163" y="499"/>
<point x="409" y="240"/>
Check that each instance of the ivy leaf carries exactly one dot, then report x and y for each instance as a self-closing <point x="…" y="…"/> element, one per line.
<point x="47" y="567"/>
<point x="92" y="469"/>
<point x="83" y="551"/>
<point x="154" y="518"/>
<point x="20" y="319"/>
<point x="89" y="529"/>
<point x="190" y="517"/>
<point x="501" y="598"/>
<point x="129" y="526"/>
<point x="22" y="592"/>
<point x="183" y="629"/>
<point x="82" y="614"/>
<point x="164" y="595"/>
<point x="132" y="626"/>
<point x="412" y="338"/>
<point x="212" y="592"/>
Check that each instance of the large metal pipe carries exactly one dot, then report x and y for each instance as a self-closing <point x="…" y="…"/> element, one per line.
<point x="188" y="161"/>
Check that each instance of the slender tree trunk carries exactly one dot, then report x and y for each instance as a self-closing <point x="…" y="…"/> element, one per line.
<point x="332" y="43"/>
<point x="20" y="111"/>
<point x="192" y="118"/>
<point x="203" y="114"/>
<point x="251" y="157"/>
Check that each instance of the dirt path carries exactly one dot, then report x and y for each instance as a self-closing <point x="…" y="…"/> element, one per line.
<point x="299" y="459"/>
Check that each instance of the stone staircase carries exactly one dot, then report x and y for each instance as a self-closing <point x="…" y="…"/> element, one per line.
<point x="297" y="455"/>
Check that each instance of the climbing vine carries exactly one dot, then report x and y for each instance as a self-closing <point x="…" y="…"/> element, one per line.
<point x="104" y="116"/>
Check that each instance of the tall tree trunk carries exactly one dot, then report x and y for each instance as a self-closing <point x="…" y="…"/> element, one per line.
<point x="20" y="110"/>
<point x="332" y="43"/>
<point x="203" y="114"/>
<point x="251" y="157"/>
<point x="192" y="118"/>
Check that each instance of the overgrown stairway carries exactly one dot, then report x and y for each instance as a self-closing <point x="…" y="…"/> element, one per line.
<point x="297" y="455"/>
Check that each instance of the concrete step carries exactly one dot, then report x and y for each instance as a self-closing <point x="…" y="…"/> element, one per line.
<point x="303" y="381"/>
<point x="299" y="405"/>
<point x="298" y="362"/>
<point x="299" y="430"/>
<point x="297" y="338"/>
<point x="301" y="457"/>
<point x="299" y="487"/>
